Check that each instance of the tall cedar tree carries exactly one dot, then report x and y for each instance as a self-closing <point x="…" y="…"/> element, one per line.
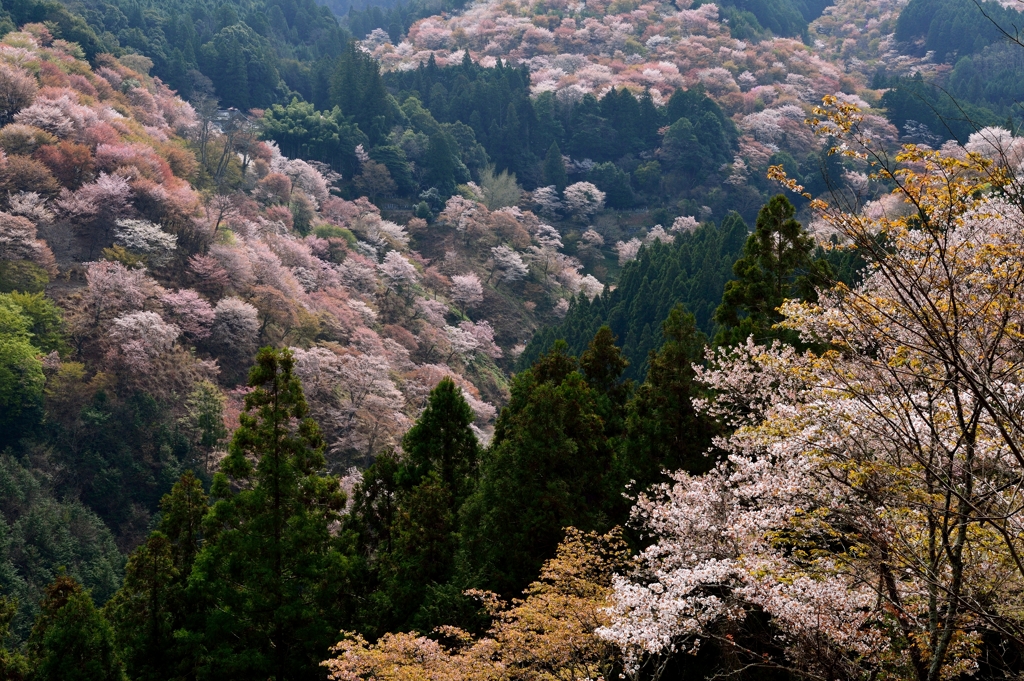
<point x="554" y="168"/>
<point x="443" y="442"/>
<point x="414" y="574"/>
<point x="153" y="602"/>
<point x="546" y="469"/>
<point x="271" y="573"/>
<point x="663" y="430"/>
<point x="141" y="611"/>
<point x="183" y="510"/>
<point x="602" y="364"/>
<point x="371" y="521"/>
<point x="430" y="484"/>
<point x="71" y="641"/>
<point x="777" y="264"/>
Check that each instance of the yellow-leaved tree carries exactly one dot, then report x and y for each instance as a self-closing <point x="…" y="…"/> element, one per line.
<point x="549" y="634"/>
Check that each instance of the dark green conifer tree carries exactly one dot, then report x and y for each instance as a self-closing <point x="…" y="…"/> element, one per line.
<point x="154" y="602"/>
<point x="233" y="83"/>
<point x="429" y="485"/>
<point x="374" y="506"/>
<point x="357" y="88"/>
<point x="142" y="611"/>
<point x="545" y="470"/>
<point x="554" y="168"/>
<point x="272" y="574"/>
<point x="443" y="442"/>
<point x="182" y="521"/>
<point x="71" y="640"/>
<point x="441" y="164"/>
<point x="663" y="430"/>
<point x="777" y="264"/>
<point x="602" y="364"/>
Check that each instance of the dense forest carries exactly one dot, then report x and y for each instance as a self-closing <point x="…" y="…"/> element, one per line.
<point x="983" y="87"/>
<point x="147" y="255"/>
<point x="691" y="270"/>
<point x="510" y="340"/>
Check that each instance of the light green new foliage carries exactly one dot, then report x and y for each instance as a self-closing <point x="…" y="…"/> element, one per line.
<point x="204" y="416"/>
<point x="501" y="189"/>
<point x="21" y="374"/>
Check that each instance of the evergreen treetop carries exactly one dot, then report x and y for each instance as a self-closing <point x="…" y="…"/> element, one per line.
<point x="777" y="264"/>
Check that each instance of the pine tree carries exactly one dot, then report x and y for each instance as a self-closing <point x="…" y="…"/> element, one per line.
<point x="270" y="569"/>
<point x="602" y="362"/>
<point x="71" y="640"/>
<point x="777" y="264"/>
<point x="649" y="120"/>
<point x="547" y="468"/>
<point x="357" y="88"/>
<point x="443" y="442"/>
<point x="663" y="430"/>
<point x="554" y="168"/>
<point x="142" y="611"/>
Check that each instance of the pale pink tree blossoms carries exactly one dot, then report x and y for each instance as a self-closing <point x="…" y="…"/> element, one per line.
<point x="190" y="311"/>
<point x="868" y="501"/>
<point x="141" y="337"/>
<point x="583" y="199"/>
<point x="467" y="290"/>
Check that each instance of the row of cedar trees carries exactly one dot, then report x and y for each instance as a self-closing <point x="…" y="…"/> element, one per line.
<point x="255" y="578"/>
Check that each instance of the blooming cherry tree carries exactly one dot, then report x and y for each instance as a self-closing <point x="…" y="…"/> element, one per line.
<point x="684" y="224"/>
<point x="509" y="263"/>
<point x="547" y="201"/>
<point x="190" y="312"/>
<point x="236" y="327"/>
<point x="397" y="271"/>
<point x="862" y="501"/>
<point x="467" y="290"/>
<point x="142" y="236"/>
<point x="18" y="241"/>
<point x="484" y="335"/>
<point x="583" y="199"/>
<point x="110" y="286"/>
<point x="627" y="250"/>
<point x="141" y="337"/>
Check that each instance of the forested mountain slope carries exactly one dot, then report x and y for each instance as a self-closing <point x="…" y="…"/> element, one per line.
<point x="149" y="250"/>
<point x="691" y="268"/>
<point x="253" y="52"/>
<point x="453" y="343"/>
<point x="168" y="253"/>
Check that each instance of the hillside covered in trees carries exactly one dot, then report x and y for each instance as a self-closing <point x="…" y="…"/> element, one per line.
<point x="149" y="250"/>
<point x="443" y="340"/>
<point x="147" y="255"/>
